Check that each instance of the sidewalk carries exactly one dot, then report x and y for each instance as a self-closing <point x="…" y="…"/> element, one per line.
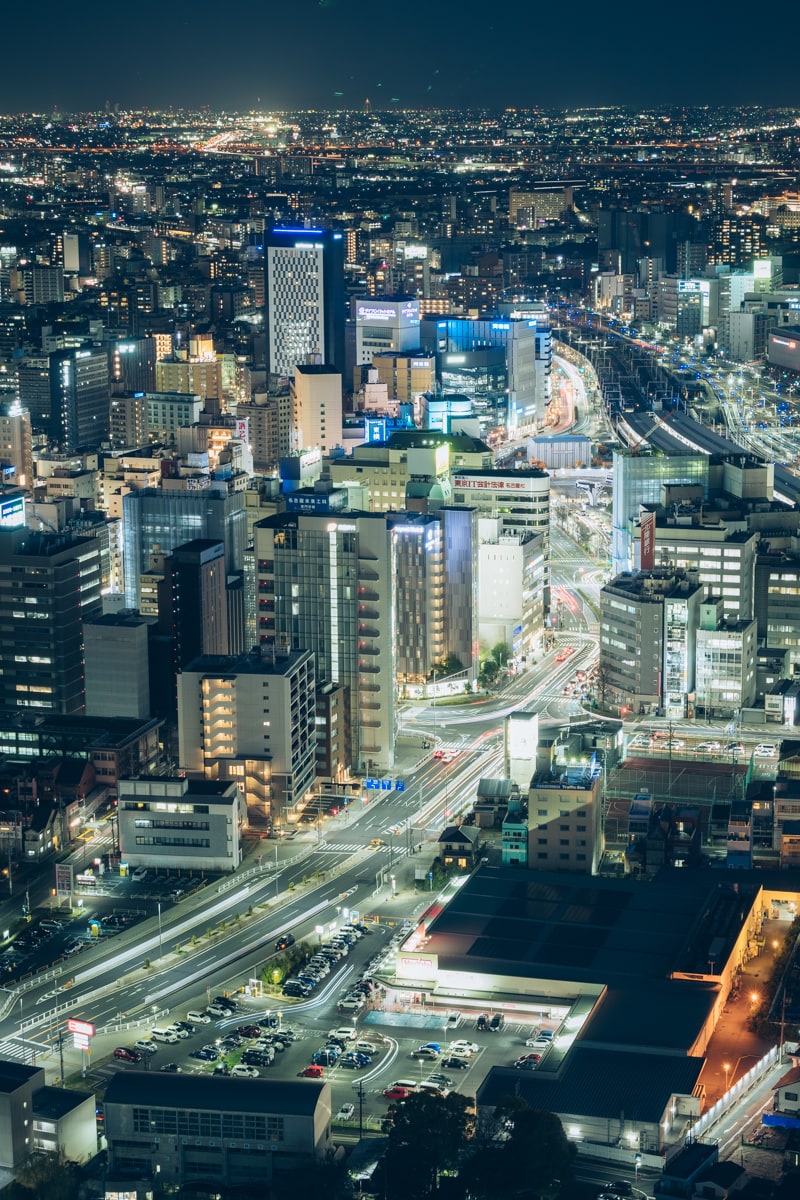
<point x="733" y="1043"/>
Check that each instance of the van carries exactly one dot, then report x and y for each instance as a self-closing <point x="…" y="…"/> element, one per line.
<point x="140" y="874"/>
<point x="346" y="1032"/>
<point x="409" y="1084"/>
<point x="164" y="1035"/>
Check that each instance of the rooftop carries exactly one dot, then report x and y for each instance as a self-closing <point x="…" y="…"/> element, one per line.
<point x="56" y="1102"/>
<point x="296" y="1098"/>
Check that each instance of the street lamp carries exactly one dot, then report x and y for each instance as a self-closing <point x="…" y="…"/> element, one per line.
<point x="727" y="1069"/>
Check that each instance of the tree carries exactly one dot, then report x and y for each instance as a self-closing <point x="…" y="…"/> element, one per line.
<point x="427" y="1136"/>
<point x="506" y="1167"/>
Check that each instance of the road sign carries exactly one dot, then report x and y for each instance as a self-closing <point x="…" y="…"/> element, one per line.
<point x="80" y="1041"/>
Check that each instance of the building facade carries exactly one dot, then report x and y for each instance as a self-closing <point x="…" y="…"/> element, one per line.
<point x="304" y="287"/>
<point x="193" y="825"/>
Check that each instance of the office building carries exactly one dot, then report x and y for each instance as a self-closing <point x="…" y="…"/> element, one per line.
<point x="132" y="364"/>
<point x="188" y="824"/>
<point x="193" y="376"/>
<point x="167" y="412"/>
<point x="511" y="581"/>
<point x="79" y="397"/>
<point x="725" y="678"/>
<point x="326" y="583"/>
<point x="722" y="554"/>
<point x="638" y="479"/>
<point x="384" y="325"/>
<point x="37" y="1119"/>
<point x="315" y="395"/>
<point x="128" y="420"/>
<point x="406" y="376"/>
<point x="305" y="313"/>
<point x="49" y="586"/>
<point x="424" y="458"/>
<point x="520" y="499"/>
<point x="648" y="625"/>
<point x="33" y="389"/>
<point x="251" y="719"/>
<point x="163" y="519"/>
<point x="116" y="666"/>
<point x="565" y="819"/>
<point x="435" y="594"/>
<point x="192" y="602"/>
<point x="192" y="1128"/>
<point x="77" y="254"/>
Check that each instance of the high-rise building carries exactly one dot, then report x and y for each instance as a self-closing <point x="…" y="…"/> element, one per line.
<point x="191" y="600"/>
<point x="725" y="662"/>
<point x="316" y="405"/>
<point x="33" y="389"/>
<point x="327" y="585"/>
<point x="79" y="397"/>
<point x="251" y="719"/>
<point x="132" y="364"/>
<point x="116" y="666"/>
<point x="162" y="519"/>
<point x="16" y="447"/>
<point x="305" y="313"/>
<point x="384" y="325"/>
<point x="49" y="585"/>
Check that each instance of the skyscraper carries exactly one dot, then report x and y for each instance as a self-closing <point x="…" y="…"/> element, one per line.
<point x="304" y="284"/>
<point x="79" y="397"/>
<point x="49" y="585"/>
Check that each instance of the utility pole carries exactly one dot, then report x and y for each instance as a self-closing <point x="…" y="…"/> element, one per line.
<point x="61" y="1056"/>
<point x="359" y="1087"/>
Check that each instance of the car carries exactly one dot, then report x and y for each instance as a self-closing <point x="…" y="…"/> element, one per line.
<point x="325" y="1058"/>
<point x="482" y="1021"/>
<point x="473" y="1047"/>
<point x="459" y="1052"/>
<point x="313" y="1071"/>
<point x="397" y="1093"/>
<point x="225" y="1002"/>
<point x="527" y="1064"/>
<point x="367" y="1047"/>
<point x="453" y="1020"/>
<point x="186" y="1026"/>
<point x="709" y="747"/>
<point x="437" y="1078"/>
<point x="734" y="748"/>
<point x="178" y="1029"/>
<point x="284" y="941"/>
<point x="345" y="1112"/>
<point x="438" y="754"/>
<point x="543" y="1038"/>
<point x="231" y="1042"/>
<point x="170" y="1068"/>
<point x="620" y="1187"/>
<point x="198" y="1018"/>
<point x="348" y="1033"/>
<point x="205" y="1054"/>
<point x="456" y="1064"/>
<point x="765" y="750"/>
<point x="244" y="1072"/>
<point x="216" y="1010"/>
<point x="126" y="1055"/>
<point x="354" y="1062"/>
<point x="497" y="1023"/>
<point x="221" y="1068"/>
<point x="353" y="1005"/>
<point x="249" y="1031"/>
<point x="145" y="1046"/>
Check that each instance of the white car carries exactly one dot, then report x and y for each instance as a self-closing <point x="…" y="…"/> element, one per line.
<point x="459" y="1052"/>
<point x="176" y="1029"/>
<point x="198" y="1018"/>
<point x="345" y="1112"/>
<point x="367" y="1047"/>
<point x="462" y="1044"/>
<point x="242" y="1072"/>
<point x="765" y="750"/>
<point x="216" y="1010"/>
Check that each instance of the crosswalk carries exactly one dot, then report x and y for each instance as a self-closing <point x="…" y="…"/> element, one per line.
<point x="352" y="847"/>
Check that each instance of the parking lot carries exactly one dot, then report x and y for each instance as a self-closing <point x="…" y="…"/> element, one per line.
<point x="362" y="1055"/>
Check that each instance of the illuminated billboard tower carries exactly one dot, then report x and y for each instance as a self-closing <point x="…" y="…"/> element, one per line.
<point x="304" y="287"/>
<point x="384" y="325"/>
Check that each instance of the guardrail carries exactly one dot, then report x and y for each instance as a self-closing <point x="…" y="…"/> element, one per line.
<point x="735" y="1093"/>
<point x="136" y="1023"/>
<point x="267" y="868"/>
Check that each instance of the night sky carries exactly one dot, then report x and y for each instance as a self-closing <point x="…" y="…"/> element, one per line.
<point x="337" y="53"/>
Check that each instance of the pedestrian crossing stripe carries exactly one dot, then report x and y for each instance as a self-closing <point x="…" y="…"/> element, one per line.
<point x="352" y="847"/>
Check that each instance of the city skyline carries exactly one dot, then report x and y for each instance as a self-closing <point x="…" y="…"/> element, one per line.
<point x="421" y="57"/>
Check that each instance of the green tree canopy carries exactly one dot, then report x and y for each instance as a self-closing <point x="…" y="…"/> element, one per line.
<point x="427" y="1136"/>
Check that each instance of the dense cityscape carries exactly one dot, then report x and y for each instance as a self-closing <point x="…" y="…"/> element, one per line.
<point x="400" y="606"/>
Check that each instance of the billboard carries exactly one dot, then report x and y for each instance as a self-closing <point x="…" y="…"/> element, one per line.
<point x="647" y="541"/>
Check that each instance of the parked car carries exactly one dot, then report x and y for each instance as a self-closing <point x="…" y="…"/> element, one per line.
<point x="205" y="1054"/>
<point x="482" y="1021"/>
<point x="396" y="1093"/>
<point x="216" y="1010"/>
<point x="170" y="1068"/>
<point x="314" y="1071"/>
<point x="126" y="1055"/>
<point x="145" y="1046"/>
<point x="456" y="1064"/>
<point x="244" y="1072"/>
<point x="461" y="1044"/>
<point x="497" y="1022"/>
<point x="249" y="1031"/>
<point x="765" y="750"/>
<point x="198" y="1018"/>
